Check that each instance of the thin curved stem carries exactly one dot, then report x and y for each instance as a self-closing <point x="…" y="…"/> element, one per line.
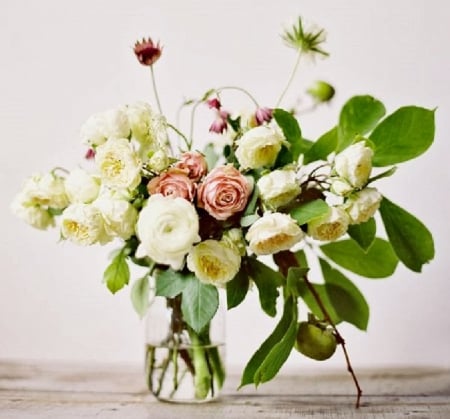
<point x="155" y="90"/>
<point x="291" y="78"/>
<point x="191" y="131"/>
<point x="240" y="89"/>
<point x="186" y="141"/>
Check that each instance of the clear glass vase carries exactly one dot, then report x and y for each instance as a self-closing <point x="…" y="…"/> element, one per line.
<point x="182" y="365"/>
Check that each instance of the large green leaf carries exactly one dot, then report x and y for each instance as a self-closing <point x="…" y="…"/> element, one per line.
<point x="267" y="281"/>
<point x="325" y="145"/>
<point x="411" y="240"/>
<point x="117" y="274"/>
<point x="358" y="116"/>
<point x="379" y="261"/>
<point x="199" y="303"/>
<point x="282" y="329"/>
<point x="348" y="302"/>
<point x="170" y="283"/>
<point x="237" y="288"/>
<point x="140" y="295"/>
<point x="403" y="135"/>
<point x="363" y="233"/>
<point x="307" y="212"/>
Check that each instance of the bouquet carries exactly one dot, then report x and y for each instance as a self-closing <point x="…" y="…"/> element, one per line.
<point x="259" y="207"/>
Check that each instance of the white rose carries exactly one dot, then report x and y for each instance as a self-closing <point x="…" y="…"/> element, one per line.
<point x="272" y="233"/>
<point x="46" y="190"/>
<point x="214" y="262"/>
<point x="259" y="147"/>
<point x="82" y="187"/>
<point x="362" y="205"/>
<point x="118" y="164"/>
<point x="83" y="224"/>
<point x="105" y="125"/>
<point x="354" y="164"/>
<point x="34" y="215"/>
<point x="330" y="226"/>
<point x="167" y="229"/>
<point x="119" y="215"/>
<point x="278" y="188"/>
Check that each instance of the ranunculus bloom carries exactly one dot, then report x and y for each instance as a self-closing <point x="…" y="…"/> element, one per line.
<point x="354" y="164"/>
<point x="362" y="205"/>
<point x="167" y="229"/>
<point x="278" y="188"/>
<point x="214" y="262"/>
<point x="272" y="233"/>
<point x="330" y="226"/>
<point x="224" y="192"/>
<point x="82" y="187"/>
<point x="118" y="164"/>
<point x="259" y="147"/>
<point x="83" y="224"/>
<point x="195" y="164"/>
<point x="174" y="183"/>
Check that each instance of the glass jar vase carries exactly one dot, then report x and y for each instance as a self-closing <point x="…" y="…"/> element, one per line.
<point x="183" y="365"/>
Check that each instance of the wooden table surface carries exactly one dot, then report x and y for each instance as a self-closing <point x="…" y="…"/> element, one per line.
<point x="50" y="390"/>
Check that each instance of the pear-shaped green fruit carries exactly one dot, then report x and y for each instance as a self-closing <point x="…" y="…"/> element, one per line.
<point x="315" y="342"/>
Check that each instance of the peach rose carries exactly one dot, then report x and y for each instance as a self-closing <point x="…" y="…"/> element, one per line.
<point x="195" y="163"/>
<point x="174" y="183"/>
<point x="224" y="192"/>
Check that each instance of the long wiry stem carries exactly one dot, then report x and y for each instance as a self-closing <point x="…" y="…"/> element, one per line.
<point x="155" y="90"/>
<point x="291" y="78"/>
<point x="246" y="92"/>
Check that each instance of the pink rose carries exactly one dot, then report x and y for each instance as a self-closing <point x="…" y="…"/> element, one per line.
<point x="175" y="183"/>
<point x="194" y="163"/>
<point x="224" y="192"/>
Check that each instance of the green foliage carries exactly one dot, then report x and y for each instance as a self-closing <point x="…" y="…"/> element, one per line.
<point x="325" y="145"/>
<point x="403" y="135"/>
<point x="117" y="273"/>
<point x="170" y="283"/>
<point x="273" y="352"/>
<point x="199" y="303"/>
<point x="379" y="261"/>
<point x="363" y="233"/>
<point x="358" y="116"/>
<point x="140" y="295"/>
<point x="411" y="240"/>
<point x="210" y="155"/>
<point x="347" y="301"/>
<point x="308" y="211"/>
<point x="267" y="281"/>
<point x="237" y="288"/>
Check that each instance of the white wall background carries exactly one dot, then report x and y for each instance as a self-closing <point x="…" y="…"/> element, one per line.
<point x="63" y="61"/>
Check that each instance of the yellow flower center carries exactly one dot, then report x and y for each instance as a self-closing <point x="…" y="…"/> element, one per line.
<point x="112" y="166"/>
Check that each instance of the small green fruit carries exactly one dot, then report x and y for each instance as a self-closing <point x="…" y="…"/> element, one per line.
<point x="315" y="342"/>
<point x="321" y="91"/>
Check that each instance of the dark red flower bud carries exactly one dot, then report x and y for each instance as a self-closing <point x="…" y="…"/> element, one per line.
<point x="147" y="52"/>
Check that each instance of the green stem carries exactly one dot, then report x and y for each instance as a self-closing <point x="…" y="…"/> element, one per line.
<point x="291" y="78"/>
<point x="155" y="90"/>
<point x="191" y="131"/>
<point x="202" y="378"/>
<point x="150" y="365"/>
<point x="240" y="89"/>
<point x="185" y="139"/>
<point x="165" y="366"/>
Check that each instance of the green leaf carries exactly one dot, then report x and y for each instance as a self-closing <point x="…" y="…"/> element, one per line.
<point x="170" y="283"/>
<point x="309" y="211"/>
<point x="117" y="274"/>
<point x="237" y="288"/>
<point x="264" y="350"/>
<point x="199" y="303"/>
<point x="364" y="233"/>
<point x="140" y="296"/>
<point x="325" y="145"/>
<point x="411" y="240"/>
<point x="359" y="115"/>
<point x="348" y="302"/>
<point x="210" y="155"/>
<point x="379" y="261"/>
<point x="294" y="279"/>
<point x="267" y="281"/>
<point x="403" y="135"/>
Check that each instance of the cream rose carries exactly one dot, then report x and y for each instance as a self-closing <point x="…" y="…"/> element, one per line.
<point x="167" y="229"/>
<point x="47" y="190"/>
<point x="174" y="183"/>
<point x="224" y="192"/>
<point x="214" y="262"/>
<point x="82" y="187"/>
<point x="118" y="164"/>
<point x="259" y="147"/>
<point x="34" y="215"/>
<point x="278" y="188"/>
<point x="362" y="205"/>
<point x="330" y="226"/>
<point x="83" y="224"/>
<point x="119" y="216"/>
<point x="272" y="233"/>
<point x="354" y="164"/>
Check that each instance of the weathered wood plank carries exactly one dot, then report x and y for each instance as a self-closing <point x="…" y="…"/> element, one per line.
<point x="80" y="391"/>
